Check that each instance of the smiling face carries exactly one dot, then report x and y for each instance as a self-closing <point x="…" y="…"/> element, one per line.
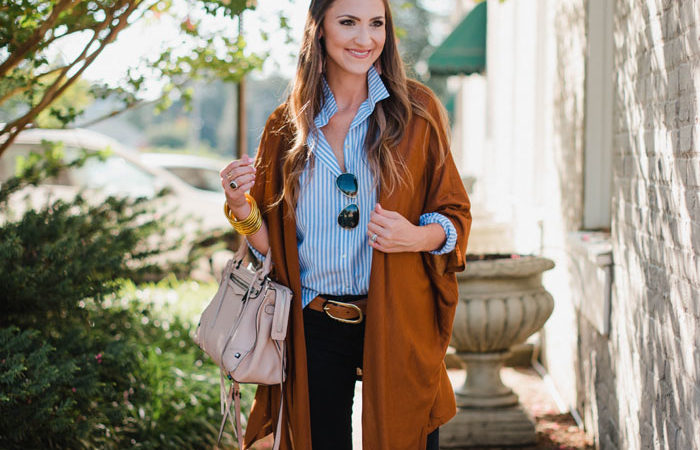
<point x="354" y="32"/>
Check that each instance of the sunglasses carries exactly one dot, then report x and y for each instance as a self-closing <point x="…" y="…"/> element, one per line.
<point x="349" y="217"/>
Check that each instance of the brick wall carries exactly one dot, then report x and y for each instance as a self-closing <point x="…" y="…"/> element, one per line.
<point x="639" y="386"/>
<point x="655" y="340"/>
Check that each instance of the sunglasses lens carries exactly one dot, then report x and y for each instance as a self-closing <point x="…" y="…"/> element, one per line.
<point x="349" y="217"/>
<point x="347" y="183"/>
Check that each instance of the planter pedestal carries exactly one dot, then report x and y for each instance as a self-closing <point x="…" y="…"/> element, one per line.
<point x="501" y="303"/>
<point x="488" y="427"/>
<point x="483" y="386"/>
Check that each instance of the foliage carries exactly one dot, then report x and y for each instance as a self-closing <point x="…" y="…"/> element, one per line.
<point x="413" y="22"/>
<point x="125" y="378"/>
<point x="37" y="167"/>
<point x="413" y="29"/>
<point x="53" y="257"/>
<point x="213" y="114"/>
<point x="169" y="134"/>
<point x="168" y="298"/>
<point x="77" y="97"/>
<point x="29" y="29"/>
<point x="82" y="365"/>
<point x="61" y="257"/>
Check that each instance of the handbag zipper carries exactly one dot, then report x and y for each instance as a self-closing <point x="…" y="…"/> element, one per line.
<point x="240" y="283"/>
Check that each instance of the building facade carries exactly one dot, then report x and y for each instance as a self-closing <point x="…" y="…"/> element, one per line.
<point x="590" y="150"/>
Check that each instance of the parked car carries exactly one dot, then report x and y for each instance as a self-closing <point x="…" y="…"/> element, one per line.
<point x="197" y="171"/>
<point x="122" y="173"/>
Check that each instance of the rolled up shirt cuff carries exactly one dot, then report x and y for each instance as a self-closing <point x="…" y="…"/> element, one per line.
<point x="450" y="231"/>
<point x="259" y="256"/>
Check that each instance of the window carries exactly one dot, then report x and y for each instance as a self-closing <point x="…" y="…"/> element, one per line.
<point x="199" y="177"/>
<point x="115" y="176"/>
<point x="599" y="116"/>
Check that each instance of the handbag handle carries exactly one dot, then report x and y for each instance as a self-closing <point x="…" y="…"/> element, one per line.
<point x="267" y="263"/>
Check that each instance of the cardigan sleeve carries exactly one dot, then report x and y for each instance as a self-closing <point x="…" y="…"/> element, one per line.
<point x="264" y="170"/>
<point x="445" y="191"/>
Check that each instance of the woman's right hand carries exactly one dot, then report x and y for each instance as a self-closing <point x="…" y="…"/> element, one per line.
<point x="242" y="173"/>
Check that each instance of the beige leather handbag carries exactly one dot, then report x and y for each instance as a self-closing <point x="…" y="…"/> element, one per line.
<point x="243" y="330"/>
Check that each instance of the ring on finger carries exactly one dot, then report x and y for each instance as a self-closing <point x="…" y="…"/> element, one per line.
<point x="233" y="185"/>
<point x="373" y="237"/>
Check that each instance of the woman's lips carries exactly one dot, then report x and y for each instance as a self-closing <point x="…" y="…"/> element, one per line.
<point x="359" y="53"/>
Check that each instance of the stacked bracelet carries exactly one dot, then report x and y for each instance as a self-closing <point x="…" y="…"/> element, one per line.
<point x="249" y="225"/>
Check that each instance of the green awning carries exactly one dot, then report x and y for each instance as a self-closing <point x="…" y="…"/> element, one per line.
<point x="464" y="50"/>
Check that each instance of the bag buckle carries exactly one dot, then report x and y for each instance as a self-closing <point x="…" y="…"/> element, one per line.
<point x="326" y="309"/>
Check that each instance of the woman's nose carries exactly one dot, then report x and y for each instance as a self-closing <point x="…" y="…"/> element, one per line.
<point x="363" y="36"/>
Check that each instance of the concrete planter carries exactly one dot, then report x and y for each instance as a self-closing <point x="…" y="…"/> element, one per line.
<point x="502" y="302"/>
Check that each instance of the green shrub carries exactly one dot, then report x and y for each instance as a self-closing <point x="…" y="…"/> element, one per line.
<point x="79" y="372"/>
<point x="128" y="380"/>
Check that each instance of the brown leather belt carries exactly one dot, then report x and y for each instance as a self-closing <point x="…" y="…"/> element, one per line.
<point x="347" y="312"/>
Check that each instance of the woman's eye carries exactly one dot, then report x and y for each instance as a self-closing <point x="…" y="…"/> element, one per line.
<point x="347" y="22"/>
<point x="377" y="23"/>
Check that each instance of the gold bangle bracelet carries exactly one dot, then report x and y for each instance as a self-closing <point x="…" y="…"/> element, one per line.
<point x="249" y="225"/>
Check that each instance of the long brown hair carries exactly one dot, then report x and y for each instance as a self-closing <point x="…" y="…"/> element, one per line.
<point x="386" y="124"/>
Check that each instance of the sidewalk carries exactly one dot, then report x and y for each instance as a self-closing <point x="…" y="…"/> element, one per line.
<point x="554" y="430"/>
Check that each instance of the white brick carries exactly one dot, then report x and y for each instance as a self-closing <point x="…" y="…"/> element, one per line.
<point x="684" y="294"/>
<point x="680" y="54"/>
<point x="655" y="223"/>
<point x="671" y="17"/>
<point x="689" y="12"/>
<point x="695" y="237"/>
<point x="692" y="43"/>
<point x="692" y="202"/>
<point x="670" y="115"/>
<point x="685" y="105"/>
<point x="676" y="228"/>
<point x="685" y="79"/>
<point x="695" y="144"/>
<point x="691" y="270"/>
<point x="685" y="139"/>
<point x="690" y="169"/>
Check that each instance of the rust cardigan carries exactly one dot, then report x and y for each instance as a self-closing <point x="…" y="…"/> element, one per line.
<point x="411" y="301"/>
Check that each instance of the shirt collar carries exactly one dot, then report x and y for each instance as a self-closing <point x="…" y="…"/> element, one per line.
<point x="376" y="92"/>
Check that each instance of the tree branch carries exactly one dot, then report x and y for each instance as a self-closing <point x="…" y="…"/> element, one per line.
<point x="14" y="128"/>
<point x="21" y="52"/>
<point x="25" y="87"/>
<point x="54" y="38"/>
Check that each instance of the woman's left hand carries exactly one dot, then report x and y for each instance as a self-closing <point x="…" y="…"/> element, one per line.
<point x="394" y="233"/>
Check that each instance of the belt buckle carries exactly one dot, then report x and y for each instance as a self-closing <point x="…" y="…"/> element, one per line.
<point x="347" y="305"/>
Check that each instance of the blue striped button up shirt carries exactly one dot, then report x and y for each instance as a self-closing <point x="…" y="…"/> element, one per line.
<point x="334" y="260"/>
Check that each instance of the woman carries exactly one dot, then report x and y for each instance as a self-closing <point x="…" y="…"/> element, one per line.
<point x="367" y="220"/>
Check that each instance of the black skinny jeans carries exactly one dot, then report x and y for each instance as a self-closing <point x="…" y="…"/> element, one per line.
<point x="333" y="354"/>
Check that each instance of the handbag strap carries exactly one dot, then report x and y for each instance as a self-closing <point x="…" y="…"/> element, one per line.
<point x="234" y="396"/>
<point x="278" y="430"/>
